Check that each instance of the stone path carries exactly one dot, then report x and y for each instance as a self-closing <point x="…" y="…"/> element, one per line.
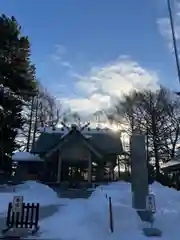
<point x="75" y="193"/>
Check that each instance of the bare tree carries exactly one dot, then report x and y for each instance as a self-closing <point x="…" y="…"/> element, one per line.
<point x="42" y="111"/>
<point x="128" y="113"/>
<point x="70" y="117"/>
<point x="48" y="110"/>
<point x="156" y="114"/>
<point x="171" y="126"/>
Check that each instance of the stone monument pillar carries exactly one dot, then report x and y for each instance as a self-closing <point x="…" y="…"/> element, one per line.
<point x="139" y="171"/>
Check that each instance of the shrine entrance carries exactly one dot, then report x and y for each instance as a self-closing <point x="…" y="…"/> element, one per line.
<point x="74" y="172"/>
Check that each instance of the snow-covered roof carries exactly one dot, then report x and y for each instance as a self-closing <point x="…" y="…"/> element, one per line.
<point x="106" y="140"/>
<point x="171" y="163"/>
<point x="25" y="156"/>
<point x="178" y="152"/>
<point x="64" y="130"/>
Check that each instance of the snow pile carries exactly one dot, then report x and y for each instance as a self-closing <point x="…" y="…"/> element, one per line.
<point x="32" y="192"/>
<point x="25" y="156"/>
<point x="89" y="219"/>
<point x="37" y="192"/>
<point x="167" y="217"/>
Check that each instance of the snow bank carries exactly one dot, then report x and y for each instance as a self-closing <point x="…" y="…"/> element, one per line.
<point x="25" y="156"/>
<point x="167" y="217"/>
<point x="89" y="219"/>
<point x="37" y="192"/>
<point x="32" y="192"/>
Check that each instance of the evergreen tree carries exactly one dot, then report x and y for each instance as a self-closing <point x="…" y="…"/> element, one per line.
<point x="17" y="84"/>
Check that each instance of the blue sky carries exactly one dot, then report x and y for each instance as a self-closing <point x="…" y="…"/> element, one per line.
<point x="86" y="51"/>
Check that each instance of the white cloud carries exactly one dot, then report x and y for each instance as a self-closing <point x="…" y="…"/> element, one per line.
<point x="164" y="23"/>
<point x="101" y="84"/>
<point x="59" y="56"/>
<point x="66" y="64"/>
<point x="60" y="50"/>
<point x="87" y="105"/>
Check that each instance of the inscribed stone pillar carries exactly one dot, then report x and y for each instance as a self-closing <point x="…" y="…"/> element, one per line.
<point x="139" y="171"/>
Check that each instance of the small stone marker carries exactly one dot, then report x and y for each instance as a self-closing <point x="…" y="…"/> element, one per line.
<point x="17" y="204"/>
<point x="150" y="203"/>
<point x="151" y="231"/>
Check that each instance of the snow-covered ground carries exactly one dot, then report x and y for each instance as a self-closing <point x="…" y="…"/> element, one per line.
<point x="32" y="192"/>
<point x="87" y="219"/>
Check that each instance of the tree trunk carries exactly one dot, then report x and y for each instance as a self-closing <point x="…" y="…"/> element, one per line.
<point x="119" y="171"/>
<point x="156" y="155"/>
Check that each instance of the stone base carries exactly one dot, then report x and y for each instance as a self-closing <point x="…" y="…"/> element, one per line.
<point x="18" y="233"/>
<point x="146" y="216"/>
<point x="152" y="232"/>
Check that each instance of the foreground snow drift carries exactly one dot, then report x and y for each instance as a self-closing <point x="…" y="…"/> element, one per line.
<point x="32" y="192"/>
<point x="88" y="219"/>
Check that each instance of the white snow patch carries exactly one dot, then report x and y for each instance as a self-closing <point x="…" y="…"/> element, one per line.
<point x="25" y="156"/>
<point x="89" y="219"/>
<point x="33" y="192"/>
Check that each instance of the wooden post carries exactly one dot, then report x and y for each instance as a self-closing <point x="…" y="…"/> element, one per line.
<point x="111" y="225"/>
<point x="89" y="169"/>
<point x="59" y="168"/>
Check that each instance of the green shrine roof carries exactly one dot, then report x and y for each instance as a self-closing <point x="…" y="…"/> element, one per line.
<point x="105" y="142"/>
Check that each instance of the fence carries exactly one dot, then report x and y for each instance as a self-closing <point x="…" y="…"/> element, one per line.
<point x="28" y="218"/>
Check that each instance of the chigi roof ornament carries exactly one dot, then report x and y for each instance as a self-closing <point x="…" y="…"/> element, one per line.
<point x="65" y="129"/>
